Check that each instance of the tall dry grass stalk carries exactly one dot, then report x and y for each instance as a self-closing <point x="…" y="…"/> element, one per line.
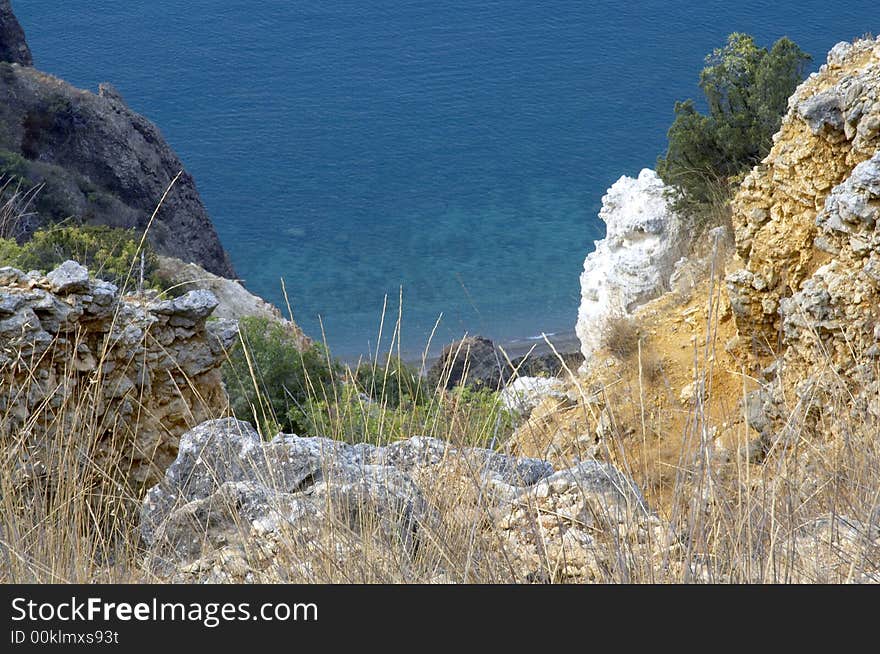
<point x="15" y="207"/>
<point x="71" y="519"/>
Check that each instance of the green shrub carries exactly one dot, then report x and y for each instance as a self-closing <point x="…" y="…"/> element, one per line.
<point x="13" y="165"/>
<point x="10" y="252"/>
<point x="394" y="383"/>
<point x="274" y="385"/>
<point x="462" y="416"/>
<point x="270" y="381"/>
<point x="747" y="90"/>
<point x="109" y="253"/>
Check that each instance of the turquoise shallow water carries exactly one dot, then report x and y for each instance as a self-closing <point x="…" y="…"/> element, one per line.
<point x="455" y="149"/>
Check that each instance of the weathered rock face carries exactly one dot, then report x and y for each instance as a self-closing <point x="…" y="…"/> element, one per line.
<point x="523" y="394"/>
<point x="806" y="224"/>
<point x="632" y="264"/>
<point x="118" y="379"/>
<point x="472" y="361"/>
<point x="788" y="216"/>
<point x="477" y="362"/>
<point x="13" y="47"/>
<point x="234" y="300"/>
<point x="234" y="508"/>
<point x="101" y="163"/>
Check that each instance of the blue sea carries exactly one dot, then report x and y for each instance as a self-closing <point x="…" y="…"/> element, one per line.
<point x="452" y="151"/>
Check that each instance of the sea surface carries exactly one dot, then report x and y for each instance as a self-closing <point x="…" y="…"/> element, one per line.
<point x="452" y="152"/>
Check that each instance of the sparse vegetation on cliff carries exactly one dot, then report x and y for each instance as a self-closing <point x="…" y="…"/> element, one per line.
<point x="112" y="254"/>
<point x="279" y="386"/>
<point x="691" y="456"/>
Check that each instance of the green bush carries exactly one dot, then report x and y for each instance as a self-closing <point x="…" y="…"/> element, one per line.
<point x="109" y="253"/>
<point x="274" y="385"/>
<point x="13" y="165"/>
<point x="10" y="252"/>
<point x="393" y="383"/>
<point x="463" y="416"/>
<point x="270" y="381"/>
<point x="747" y="90"/>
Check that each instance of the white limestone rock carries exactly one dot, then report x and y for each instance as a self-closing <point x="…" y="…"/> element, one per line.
<point x="523" y="394"/>
<point x="632" y="264"/>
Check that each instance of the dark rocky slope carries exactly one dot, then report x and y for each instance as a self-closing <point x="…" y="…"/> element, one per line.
<point x="100" y="162"/>
<point x="13" y="47"/>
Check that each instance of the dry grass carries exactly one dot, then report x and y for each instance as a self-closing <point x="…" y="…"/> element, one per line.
<point x="620" y="337"/>
<point x="15" y="207"/>
<point x="68" y="511"/>
<point x="732" y="523"/>
<point x="726" y="520"/>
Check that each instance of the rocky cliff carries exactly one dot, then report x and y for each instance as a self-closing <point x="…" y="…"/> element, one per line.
<point x="112" y="380"/>
<point x="632" y="264"/>
<point x="13" y="47"/>
<point x="98" y="160"/>
<point x="805" y="291"/>
<point x="234" y="508"/>
<point x="754" y="389"/>
<point x="833" y="124"/>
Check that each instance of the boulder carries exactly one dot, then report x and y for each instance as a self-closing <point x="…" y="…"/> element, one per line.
<point x="230" y="496"/>
<point x="473" y="361"/>
<point x="572" y="526"/>
<point x="523" y="394"/>
<point x="69" y="277"/>
<point x="633" y="263"/>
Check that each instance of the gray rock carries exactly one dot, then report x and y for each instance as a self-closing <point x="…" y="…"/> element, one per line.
<point x="19" y="324"/>
<point x="425" y="451"/>
<point x="65" y="327"/>
<point x="226" y="482"/>
<point x="9" y="275"/>
<point x="227" y="486"/>
<point x="823" y="111"/>
<point x="54" y="313"/>
<point x="755" y="414"/>
<point x="595" y="478"/>
<point x="839" y="52"/>
<point x="224" y="333"/>
<point x="13" y="46"/>
<point x="103" y="300"/>
<point x="854" y="204"/>
<point x="69" y="277"/>
<point x="473" y="361"/>
<point x="739" y="283"/>
<point x="554" y="528"/>
<point x="8" y="304"/>
<point x="186" y="310"/>
<point x="548" y="363"/>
